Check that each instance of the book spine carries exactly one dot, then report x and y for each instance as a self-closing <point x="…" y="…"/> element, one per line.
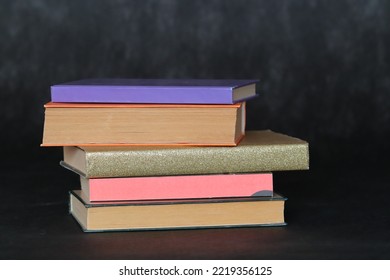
<point x="207" y="160"/>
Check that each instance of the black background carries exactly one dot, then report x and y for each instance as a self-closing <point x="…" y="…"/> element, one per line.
<point x="324" y="68"/>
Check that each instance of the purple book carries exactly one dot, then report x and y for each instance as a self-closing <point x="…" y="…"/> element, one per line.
<point x="180" y="91"/>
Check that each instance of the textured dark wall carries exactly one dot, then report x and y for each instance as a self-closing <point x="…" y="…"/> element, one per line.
<point x="324" y="66"/>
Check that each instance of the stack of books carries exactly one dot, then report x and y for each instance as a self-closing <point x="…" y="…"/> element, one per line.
<point x="168" y="154"/>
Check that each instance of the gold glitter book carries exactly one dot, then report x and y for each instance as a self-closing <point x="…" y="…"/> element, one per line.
<point x="259" y="151"/>
<point x="176" y="214"/>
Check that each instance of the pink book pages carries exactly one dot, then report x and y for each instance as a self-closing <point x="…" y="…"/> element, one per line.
<point x="180" y="187"/>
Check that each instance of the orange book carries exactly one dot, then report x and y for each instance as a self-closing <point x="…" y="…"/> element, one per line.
<point x="177" y="187"/>
<point x="76" y="124"/>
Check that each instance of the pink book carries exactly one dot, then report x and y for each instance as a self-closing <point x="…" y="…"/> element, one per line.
<point x="177" y="187"/>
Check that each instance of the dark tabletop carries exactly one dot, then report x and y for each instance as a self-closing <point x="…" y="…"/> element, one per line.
<point x="332" y="213"/>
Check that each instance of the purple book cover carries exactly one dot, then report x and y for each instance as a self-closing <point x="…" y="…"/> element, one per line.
<point x="181" y="91"/>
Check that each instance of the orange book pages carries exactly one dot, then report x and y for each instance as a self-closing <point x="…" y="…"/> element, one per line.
<point x="143" y="125"/>
<point x="177" y="187"/>
<point x="177" y="214"/>
<point x="131" y="105"/>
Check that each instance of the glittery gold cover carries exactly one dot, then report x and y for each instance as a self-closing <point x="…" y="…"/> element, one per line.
<point x="259" y="151"/>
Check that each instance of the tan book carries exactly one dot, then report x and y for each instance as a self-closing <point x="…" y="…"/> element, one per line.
<point x="76" y="124"/>
<point x="259" y="151"/>
<point x="177" y="214"/>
